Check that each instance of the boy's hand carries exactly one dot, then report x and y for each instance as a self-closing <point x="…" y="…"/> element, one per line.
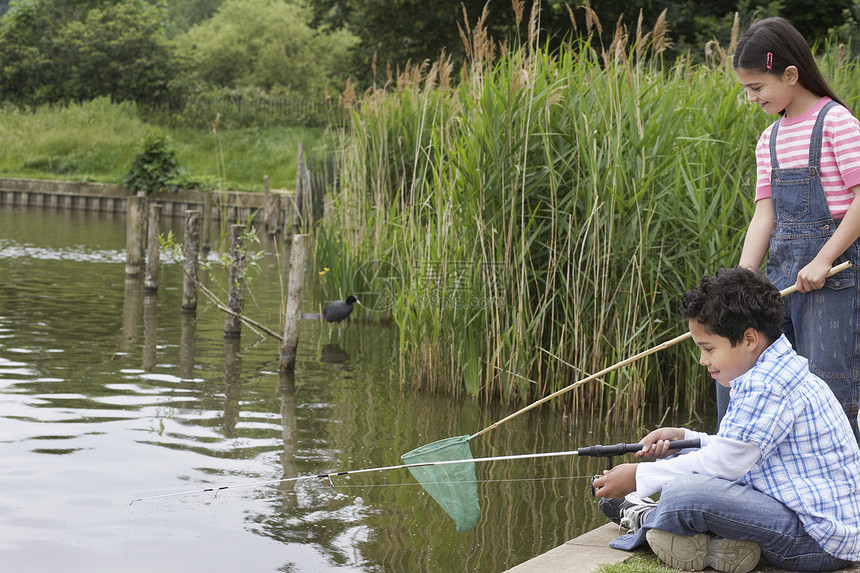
<point x="656" y="444"/>
<point x="617" y="482"/>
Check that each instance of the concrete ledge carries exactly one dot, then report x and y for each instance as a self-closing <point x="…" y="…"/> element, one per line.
<point x="580" y="555"/>
<point x="589" y="551"/>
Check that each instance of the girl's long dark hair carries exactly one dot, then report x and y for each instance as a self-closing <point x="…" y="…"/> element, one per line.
<point x="787" y="47"/>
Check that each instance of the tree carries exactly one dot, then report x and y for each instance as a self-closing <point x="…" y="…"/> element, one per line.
<point x="119" y="50"/>
<point x="183" y="14"/>
<point x="267" y="44"/>
<point x="60" y="50"/>
<point x="395" y="32"/>
<point x="400" y="31"/>
<point x="26" y="36"/>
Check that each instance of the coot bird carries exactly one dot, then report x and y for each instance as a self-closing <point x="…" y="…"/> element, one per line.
<point x="339" y="309"/>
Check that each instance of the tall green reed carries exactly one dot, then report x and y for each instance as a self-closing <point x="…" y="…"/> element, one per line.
<point x="539" y="220"/>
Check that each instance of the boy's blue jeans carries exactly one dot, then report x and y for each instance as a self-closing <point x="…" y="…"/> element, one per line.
<point x="701" y="504"/>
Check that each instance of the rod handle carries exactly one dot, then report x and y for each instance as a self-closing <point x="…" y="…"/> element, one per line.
<point x="621" y="449"/>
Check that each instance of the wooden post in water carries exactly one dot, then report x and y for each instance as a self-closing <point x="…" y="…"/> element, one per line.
<point x="299" y="251"/>
<point x="153" y="253"/>
<point x="307" y="197"/>
<point x="290" y="223"/>
<point x="297" y="213"/>
<point x="236" y="298"/>
<point x="270" y="210"/>
<point x="134" y="235"/>
<point x="205" y="235"/>
<point x="190" y="250"/>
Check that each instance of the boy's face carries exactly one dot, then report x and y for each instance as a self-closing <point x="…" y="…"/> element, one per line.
<point x="724" y="361"/>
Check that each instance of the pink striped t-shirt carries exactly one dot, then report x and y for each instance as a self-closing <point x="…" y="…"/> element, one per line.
<point x="840" y="153"/>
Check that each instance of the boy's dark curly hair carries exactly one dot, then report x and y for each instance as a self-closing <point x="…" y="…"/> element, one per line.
<point x="733" y="300"/>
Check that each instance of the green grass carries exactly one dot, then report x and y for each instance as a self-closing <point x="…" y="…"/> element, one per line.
<point x="641" y="562"/>
<point x="93" y="141"/>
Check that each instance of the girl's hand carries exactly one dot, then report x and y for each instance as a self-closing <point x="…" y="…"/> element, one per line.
<point x="617" y="482"/>
<point x="812" y="276"/>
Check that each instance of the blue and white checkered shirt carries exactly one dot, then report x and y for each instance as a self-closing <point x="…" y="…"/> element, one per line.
<point x="809" y="457"/>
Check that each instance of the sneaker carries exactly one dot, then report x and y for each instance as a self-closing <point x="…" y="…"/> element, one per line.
<point x="695" y="552"/>
<point x="626" y="511"/>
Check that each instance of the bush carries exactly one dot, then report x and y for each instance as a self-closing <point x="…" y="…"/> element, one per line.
<point x="154" y="168"/>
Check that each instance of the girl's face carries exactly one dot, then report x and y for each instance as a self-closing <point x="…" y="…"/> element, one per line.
<point x="772" y="92"/>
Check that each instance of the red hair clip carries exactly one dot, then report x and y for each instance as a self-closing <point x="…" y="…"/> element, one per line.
<point x="770" y="60"/>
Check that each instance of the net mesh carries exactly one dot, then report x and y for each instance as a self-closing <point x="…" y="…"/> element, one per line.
<point x="453" y="486"/>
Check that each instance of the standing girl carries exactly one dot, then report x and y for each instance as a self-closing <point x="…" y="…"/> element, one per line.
<point x="806" y="218"/>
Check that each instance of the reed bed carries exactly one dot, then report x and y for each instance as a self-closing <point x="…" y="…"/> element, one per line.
<point x="539" y="220"/>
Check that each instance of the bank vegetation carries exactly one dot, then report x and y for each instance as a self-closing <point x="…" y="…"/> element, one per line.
<point x="538" y="219"/>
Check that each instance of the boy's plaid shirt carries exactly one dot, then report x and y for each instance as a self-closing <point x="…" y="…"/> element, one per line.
<point x="810" y="459"/>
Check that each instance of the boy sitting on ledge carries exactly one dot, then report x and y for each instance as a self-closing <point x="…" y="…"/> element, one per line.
<point x="780" y="479"/>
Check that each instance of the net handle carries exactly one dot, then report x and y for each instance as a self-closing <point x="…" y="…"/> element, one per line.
<point x="785" y="292"/>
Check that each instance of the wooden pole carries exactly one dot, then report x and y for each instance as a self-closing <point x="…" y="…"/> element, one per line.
<point x="205" y="235"/>
<point x="270" y="209"/>
<point x="267" y="213"/>
<point x="153" y="256"/>
<point x="300" y="247"/>
<point x="236" y="298"/>
<point x="307" y="197"/>
<point x="297" y="212"/>
<point x="190" y="251"/>
<point x="290" y="222"/>
<point x="134" y="235"/>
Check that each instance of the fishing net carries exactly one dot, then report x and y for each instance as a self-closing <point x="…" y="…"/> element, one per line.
<point x="453" y="486"/>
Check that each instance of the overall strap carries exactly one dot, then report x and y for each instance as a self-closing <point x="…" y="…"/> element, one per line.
<point x="817" y="136"/>
<point x="774" y="163"/>
<point x="814" y="141"/>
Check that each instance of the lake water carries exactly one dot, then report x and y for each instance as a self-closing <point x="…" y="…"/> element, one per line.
<point x="108" y="395"/>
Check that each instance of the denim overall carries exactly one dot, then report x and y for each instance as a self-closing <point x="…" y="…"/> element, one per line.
<point x="822" y="324"/>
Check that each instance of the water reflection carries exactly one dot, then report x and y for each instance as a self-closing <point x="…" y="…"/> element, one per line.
<point x="107" y="396"/>
<point x="232" y="385"/>
<point x="187" y="345"/>
<point x="150" y="330"/>
<point x="289" y="409"/>
<point x="131" y="313"/>
<point x="334" y="354"/>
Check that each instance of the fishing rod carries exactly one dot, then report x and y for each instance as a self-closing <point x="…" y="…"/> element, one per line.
<point x="783" y="293"/>
<point x="598" y="451"/>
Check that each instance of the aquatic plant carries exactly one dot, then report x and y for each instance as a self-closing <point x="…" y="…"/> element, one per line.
<point x="541" y="218"/>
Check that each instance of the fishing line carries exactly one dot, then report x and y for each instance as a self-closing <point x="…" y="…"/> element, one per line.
<point x="216" y="489"/>
<point x="593" y="451"/>
<point x="416" y="484"/>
